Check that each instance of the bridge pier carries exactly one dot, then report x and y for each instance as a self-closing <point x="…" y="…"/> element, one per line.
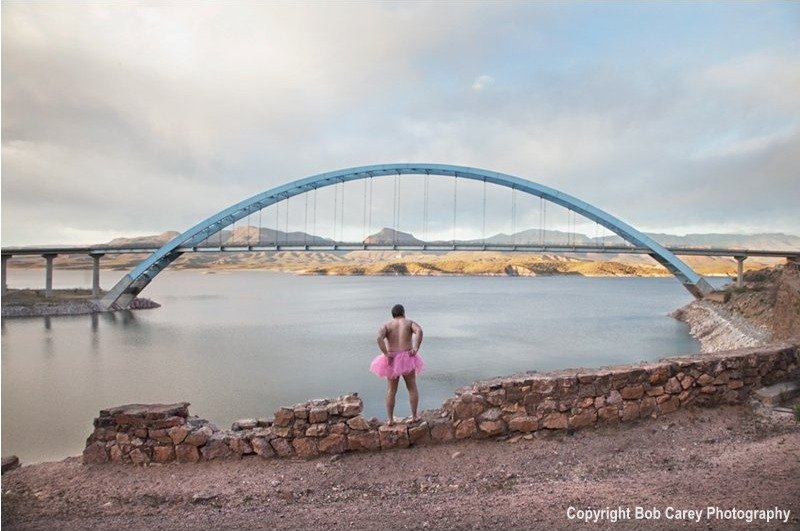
<point x="4" y="272"/>
<point x="48" y="275"/>
<point x="96" y="274"/>
<point x="740" y="270"/>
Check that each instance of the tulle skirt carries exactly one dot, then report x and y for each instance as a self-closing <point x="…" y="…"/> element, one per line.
<point x="401" y="363"/>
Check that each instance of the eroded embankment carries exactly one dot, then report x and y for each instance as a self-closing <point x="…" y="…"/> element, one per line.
<point x="719" y="329"/>
<point x="766" y="308"/>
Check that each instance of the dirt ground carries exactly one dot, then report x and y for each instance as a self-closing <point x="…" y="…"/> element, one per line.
<point x="728" y="457"/>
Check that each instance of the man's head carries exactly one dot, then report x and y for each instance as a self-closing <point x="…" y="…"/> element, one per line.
<point x="398" y="311"/>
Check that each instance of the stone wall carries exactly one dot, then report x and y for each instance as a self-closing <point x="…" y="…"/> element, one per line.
<point x="510" y="406"/>
<point x="574" y="399"/>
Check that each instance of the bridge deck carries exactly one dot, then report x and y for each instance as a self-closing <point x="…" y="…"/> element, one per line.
<point x="432" y="247"/>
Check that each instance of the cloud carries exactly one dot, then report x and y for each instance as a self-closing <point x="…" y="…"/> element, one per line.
<point x="145" y="118"/>
<point x="481" y="82"/>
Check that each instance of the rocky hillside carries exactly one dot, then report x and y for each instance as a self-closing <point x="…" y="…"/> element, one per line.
<point x="766" y="308"/>
<point x="770" y="298"/>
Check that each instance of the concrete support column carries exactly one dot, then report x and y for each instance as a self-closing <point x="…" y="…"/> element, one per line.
<point x="48" y="275"/>
<point x="96" y="275"/>
<point x="740" y="270"/>
<point x="5" y="268"/>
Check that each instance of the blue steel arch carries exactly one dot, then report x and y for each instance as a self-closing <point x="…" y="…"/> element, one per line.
<point x="135" y="281"/>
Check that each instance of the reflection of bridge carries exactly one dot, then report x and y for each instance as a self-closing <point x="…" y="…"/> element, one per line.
<point x="197" y="238"/>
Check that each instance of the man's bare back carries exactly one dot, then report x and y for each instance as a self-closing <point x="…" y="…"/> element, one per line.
<point x="398" y="335"/>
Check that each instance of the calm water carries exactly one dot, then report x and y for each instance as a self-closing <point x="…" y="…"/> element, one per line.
<point x="242" y="344"/>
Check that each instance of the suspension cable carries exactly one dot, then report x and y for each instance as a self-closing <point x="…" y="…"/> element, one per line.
<point x="544" y="221"/>
<point x="364" y="221"/>
<point x="455" y="206"/>
<point x="341" y="220"/>
<point x="277" y="214"/>
<point x="335" y="208"/>
<point x="425" y="209"/>
<point x="247" y="228"/>
<point x="484" y="212"/>
<point x="314" y="223"/>
<point x="260" y="210"/>
<point x="369" y="222"/>
<point x="305" y="220"/>
<point x="513" y="216"/>
<point x="399" y="190"/>
<point x="286" y="225"/>
<point x="394" y="209"/>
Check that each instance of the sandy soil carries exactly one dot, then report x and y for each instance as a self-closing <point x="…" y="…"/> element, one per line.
<point x="727" y="457"/>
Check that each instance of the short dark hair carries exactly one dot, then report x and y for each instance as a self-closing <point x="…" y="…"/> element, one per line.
<point x="398" y="311"/>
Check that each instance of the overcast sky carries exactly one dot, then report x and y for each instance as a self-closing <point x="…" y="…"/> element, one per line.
<point x="128" y="118"/>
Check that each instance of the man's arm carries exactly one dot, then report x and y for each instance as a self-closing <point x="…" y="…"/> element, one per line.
<point x="417" y="330"/>
<point x="382" y="340"/>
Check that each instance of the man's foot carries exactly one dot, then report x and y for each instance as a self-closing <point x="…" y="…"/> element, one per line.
<point x="390" y="422"/>
<point x="414" y="418"/>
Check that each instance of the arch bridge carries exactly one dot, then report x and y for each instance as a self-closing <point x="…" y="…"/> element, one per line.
<point x="134" y="282"/>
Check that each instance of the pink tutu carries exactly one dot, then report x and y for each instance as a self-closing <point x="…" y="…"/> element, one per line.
<point x="401" y="363"/>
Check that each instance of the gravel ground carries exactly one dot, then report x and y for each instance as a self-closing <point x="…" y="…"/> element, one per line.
<point x="728" y="457"/>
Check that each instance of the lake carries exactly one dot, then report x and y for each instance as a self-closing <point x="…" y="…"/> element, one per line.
<point x="242" y="344"/>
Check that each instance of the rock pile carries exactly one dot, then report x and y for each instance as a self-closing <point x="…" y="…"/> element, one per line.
<point x="144" y="433"/>
<point x="160" y="433"/>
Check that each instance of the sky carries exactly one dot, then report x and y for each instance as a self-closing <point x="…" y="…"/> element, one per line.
<point x="134" y="118"/>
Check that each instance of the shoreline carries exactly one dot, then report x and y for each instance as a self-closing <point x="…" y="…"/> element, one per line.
<point x="64" y="302"/>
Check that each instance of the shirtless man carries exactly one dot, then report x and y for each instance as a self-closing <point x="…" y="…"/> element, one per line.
<point x="399" y="341"/>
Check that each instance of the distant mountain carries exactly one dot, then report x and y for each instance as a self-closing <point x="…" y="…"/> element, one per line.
<point x="295" y="261"/>
<point x="387" y="236"/>
<point x="153" y="239"/>
<point x="243" y="236"/>
<point x="536" y="236"/>
<point x="766" y="241"/>
<point x="256" y="236"/>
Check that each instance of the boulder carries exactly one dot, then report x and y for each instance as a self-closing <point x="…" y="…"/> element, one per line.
<point x="95" y="454"/>
<point x="10" y="463"/>
<point x="187" y="453"/>
<point x="216" y="448"/>
<point x="364" y="441"/>
<point x="164" y="454"/>
<point x="262" y="447"/>
<point x="333" y="444"/>
<point x="393" y="436"/>
<point x="305" y="447"/>
<point x="199" y="437"/>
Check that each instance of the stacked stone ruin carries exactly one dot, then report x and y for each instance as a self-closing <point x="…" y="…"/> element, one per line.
<point x="517" y="405"/>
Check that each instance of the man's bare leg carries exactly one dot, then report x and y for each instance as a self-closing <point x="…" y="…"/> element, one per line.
<point x="413" y="393"/>
<point x="391" y="392"/>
